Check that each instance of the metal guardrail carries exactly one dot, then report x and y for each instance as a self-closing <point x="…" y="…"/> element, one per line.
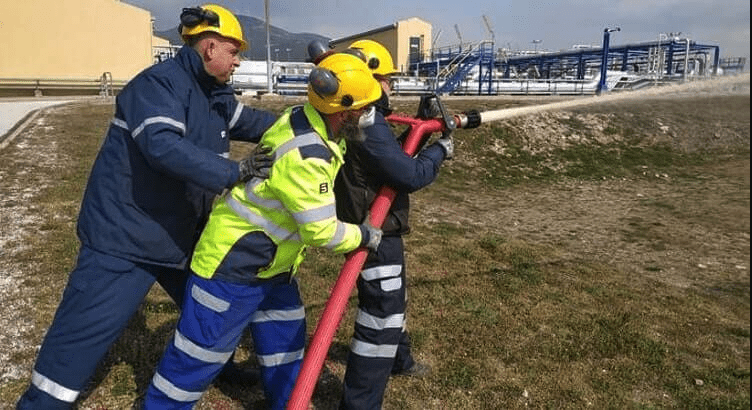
<point x="104" y="84"/>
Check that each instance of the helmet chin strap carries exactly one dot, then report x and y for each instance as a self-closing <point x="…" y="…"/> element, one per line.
<point x="382" y="105"/>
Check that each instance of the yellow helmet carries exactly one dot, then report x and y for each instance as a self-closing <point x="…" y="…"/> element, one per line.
<point x="378" y="58"/>
<point x="342" y="82"/>
<point x="211" y="17"/>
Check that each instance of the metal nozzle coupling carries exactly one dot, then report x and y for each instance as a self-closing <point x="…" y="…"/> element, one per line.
<point x="470" y="119"/>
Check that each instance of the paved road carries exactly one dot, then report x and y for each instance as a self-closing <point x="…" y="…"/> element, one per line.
<point x="13" y="111"/>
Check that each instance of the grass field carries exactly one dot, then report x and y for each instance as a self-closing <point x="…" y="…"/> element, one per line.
<point x="590" y="258"/>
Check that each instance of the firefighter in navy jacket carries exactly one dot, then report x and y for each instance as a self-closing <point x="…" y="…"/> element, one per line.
<point x="164" y="159"/>
<point x="380" y="345"/>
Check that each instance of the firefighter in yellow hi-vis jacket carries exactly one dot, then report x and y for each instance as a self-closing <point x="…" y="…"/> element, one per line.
<point x="245" y="262"/>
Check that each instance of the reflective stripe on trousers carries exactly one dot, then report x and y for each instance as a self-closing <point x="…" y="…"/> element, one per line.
<point x="52" y="388"/>
<point x="90" y="317"/>
<point x="382" y="280"/>
<point x="380" y="340"/>
<point x="210" y="327"/>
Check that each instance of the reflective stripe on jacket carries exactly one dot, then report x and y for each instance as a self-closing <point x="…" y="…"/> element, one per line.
<point x="293" y="208"/>
<point x="163" y="160"/>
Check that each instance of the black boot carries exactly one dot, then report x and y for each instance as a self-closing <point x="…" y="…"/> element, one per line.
<point x="234" y="374"/>
<point x="417" y="370"/>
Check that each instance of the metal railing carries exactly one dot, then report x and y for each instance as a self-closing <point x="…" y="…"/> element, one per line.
<point x="103" y="85"/>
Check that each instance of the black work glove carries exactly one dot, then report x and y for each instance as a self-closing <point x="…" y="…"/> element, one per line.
<point x="255" y="165"/>
<point x="371" y="236"/>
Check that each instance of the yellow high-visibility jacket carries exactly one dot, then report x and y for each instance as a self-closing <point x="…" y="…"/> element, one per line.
<point x="261" y="228"/>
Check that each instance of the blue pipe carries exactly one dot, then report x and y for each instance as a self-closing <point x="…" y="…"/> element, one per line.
<point x="604" y="62"/>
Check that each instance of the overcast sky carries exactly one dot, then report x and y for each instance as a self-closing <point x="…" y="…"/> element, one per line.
<point x="558" y="25"/>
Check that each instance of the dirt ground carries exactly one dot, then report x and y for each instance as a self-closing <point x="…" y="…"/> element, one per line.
<point x="589" y="220"/>
<point x="595" y="219"/>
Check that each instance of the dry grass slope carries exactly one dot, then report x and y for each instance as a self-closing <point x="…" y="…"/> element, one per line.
<point x="590" y="256"/>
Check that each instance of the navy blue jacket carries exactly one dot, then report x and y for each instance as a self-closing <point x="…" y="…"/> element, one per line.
<point x="375" y="160"/>
<point x="163" y="160"/>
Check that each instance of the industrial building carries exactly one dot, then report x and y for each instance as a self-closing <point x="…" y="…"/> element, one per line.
<point x="480" y="68"/>
<point x="45" y="39"/>
<point x="407" y="40"/>
<point x="63" y="48"/>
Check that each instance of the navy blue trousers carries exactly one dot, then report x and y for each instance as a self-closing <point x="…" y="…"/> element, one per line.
<point x="102" y="294"/>
<point x="380" y="344"/>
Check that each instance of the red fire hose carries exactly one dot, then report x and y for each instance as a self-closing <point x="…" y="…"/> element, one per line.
<point x="419" y="131"/>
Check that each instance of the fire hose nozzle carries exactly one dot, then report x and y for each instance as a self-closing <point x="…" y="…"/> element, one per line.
<point x="469" y="119"/>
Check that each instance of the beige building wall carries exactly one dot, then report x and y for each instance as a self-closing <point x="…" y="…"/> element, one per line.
<point x="396" y="38"/>
<point x="64" y="39"/>
<point x="412" y="27"/>
<point x="160" y="42"/>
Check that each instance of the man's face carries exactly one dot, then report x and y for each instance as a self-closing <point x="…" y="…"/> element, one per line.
<point x="222" y="57"/>
<point x="347" y="125"/>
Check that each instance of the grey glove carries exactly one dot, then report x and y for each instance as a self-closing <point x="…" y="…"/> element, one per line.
<point x="255" y="165"/>
<point x="371" y="236"/>
<point x="447" y="142"/>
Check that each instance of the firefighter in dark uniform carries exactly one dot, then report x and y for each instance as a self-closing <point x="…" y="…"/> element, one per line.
<point x="380" y="345"/>
<point x="164" y="159"/>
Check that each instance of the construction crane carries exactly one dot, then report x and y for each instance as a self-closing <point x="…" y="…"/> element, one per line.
<point x="435" y="39"/>
<point x="490" y="30"/>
